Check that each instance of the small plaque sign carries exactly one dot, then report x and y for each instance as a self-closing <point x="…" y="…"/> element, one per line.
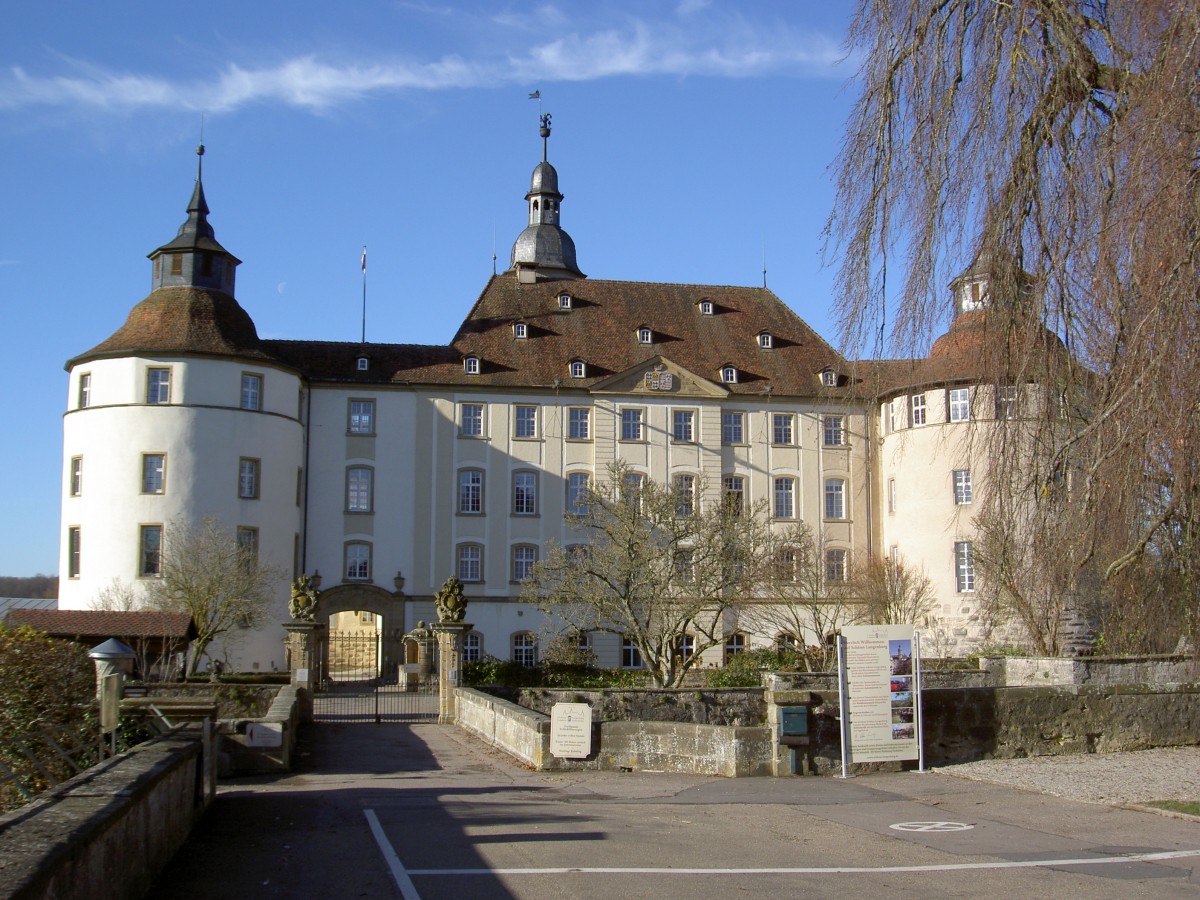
<point x="571" y="730"/>
<point x="264" y="734"/>
<point x="660" y="380"/>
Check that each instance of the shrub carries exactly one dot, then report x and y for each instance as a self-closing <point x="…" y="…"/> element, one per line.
<point x="745" y="669"/>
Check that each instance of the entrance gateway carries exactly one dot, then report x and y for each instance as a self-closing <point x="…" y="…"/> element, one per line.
<point x="367" y="668"/>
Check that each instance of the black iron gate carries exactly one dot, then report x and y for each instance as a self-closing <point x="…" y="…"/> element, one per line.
<point x="352" y="687"/>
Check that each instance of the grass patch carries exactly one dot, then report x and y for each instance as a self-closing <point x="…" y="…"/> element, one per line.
<point x="1191" y="807"/>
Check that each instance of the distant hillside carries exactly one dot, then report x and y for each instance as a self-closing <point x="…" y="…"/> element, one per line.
<point x="35" y="586"/>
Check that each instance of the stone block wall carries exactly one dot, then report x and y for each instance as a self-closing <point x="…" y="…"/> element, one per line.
<point x="707" y="706"/>
<point x="107" y="831"/>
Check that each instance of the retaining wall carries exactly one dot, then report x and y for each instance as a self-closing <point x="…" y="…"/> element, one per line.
<point x="659" y="746"/>
<point x="107" y="831"/>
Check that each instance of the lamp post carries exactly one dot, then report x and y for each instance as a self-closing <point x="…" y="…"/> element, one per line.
<point x="113" y="660"/>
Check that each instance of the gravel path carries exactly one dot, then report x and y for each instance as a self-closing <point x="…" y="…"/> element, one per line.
<point x="1164" y="774"/>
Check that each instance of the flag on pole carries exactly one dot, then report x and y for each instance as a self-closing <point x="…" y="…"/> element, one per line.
<point x="364" y="260"/>
<point x="536" y="95"/>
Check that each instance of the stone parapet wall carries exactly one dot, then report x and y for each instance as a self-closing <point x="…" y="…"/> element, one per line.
<point x="682" y="747"/>
<point x="240" y="756"/>
<point x="1020" y="671"/>
<point x="707" y="706"/>
<point x="107" y="831"/>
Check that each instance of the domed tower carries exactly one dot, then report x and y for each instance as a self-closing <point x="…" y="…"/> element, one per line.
<point x="178" y="417"/>
<point x="543" y="251"/>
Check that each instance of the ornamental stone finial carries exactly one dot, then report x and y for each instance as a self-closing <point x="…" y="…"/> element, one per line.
<point x="450" y="602"/>
<point x="303" y="602"/>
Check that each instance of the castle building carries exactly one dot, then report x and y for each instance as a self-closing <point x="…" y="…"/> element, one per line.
<point x="388" y="467"/>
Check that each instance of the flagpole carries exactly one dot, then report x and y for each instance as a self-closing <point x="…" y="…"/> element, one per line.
<point x="364" y="302"/>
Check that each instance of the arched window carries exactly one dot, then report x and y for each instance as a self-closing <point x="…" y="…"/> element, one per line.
<point x="471" y="365"/>
<point x="729" y="374"/>
<point x="734" y="644"/>
<point x="525" y="649"/>
<point x="765" y="341"/>
<point x="578" y="368"/>
<point x="645" y="335"/>
<point x="472" y="647"/>
<point x="520" y="331"/>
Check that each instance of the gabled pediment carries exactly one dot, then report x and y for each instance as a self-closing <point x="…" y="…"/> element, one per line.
<point x="659" y="377"/>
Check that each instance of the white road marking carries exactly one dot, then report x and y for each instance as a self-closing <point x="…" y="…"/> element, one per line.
<point x="931" y="826"/>
<point x="819" y="870"/>
<point x="399" y="875"/>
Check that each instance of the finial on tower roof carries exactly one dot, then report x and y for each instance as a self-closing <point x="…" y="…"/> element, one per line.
<point x="544" y="131"/>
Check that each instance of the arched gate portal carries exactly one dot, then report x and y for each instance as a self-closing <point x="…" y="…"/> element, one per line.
<point x="370" y="669"/>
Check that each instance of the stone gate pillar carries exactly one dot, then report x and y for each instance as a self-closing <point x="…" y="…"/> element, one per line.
<point x="450" y="649"/>
<point x="305" y="641"/>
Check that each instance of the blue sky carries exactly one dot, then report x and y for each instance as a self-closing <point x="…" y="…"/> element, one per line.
<point x="690" y="137"/>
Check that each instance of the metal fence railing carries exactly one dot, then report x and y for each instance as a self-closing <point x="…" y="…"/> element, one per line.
<point x="42" y="759"/>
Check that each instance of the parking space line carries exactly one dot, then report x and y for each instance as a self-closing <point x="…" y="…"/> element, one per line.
<point x="815" y="870"/>
<point x="399" y="875"/>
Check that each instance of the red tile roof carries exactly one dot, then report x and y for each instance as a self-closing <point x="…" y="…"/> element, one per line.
<point x="104" y="623"/>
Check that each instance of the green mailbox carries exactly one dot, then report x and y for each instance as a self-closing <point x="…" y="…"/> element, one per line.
<point x="793" y="726"/>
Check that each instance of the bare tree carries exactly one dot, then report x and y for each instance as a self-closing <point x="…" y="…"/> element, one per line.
<point x="119" y="596"/>
<point x="798" y="600"/>
<point x="1059" y="138"/>
<point x="891" y="592"/>
<point x="205" y="572"/>
<point x="654" y="565"/>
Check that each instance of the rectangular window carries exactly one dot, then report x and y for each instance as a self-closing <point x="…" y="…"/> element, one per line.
<point x="524" y="557"/>
<point x="73" y="552"/>
<point x="835" y="498"/>
<point x="1006" y="401"/>
<point x="964" y="567"/>
<point x="361" y="417"/>
<point x="960" y="405"/>
<point x="785" y="498"/>
<point x="247" y="541"/>
<point x="299" y="484"/>
<point x="248" y="478"/>
<point x="525" y="422"/>
<point x="358" y="562"/>
<point x="85" y="390"/>
<point x="735" y="494"/>
<point x="835" y="566"/>
<point x="150" y="551"/>
<point x="176" y="263"/>
<point x="889" y="423"/>
<point x="682" y="422"/>
<point x="835" y="430"/>
<point x="962" y="486"/>
<point x="685" y="495"/>
<point x="577" y="494"/>
<point x="154" y="466"/>
<point x="76" y="476"/>
<point x="783" y="430"/>
<point x="733" y="429"/>
<point x="359" y="489"/>
<point x="471" y="423"/>
<point x="470" y="562"/>
<point x="470" y="491"/>
<point x="631" y="424"/>
<point x="891" y="495"/>
<point x="251" y="391"/>
<point x="917" y="402"/>
<point x="158" y="385"/>
<point x="524" y="493"/>
<point x="631" y="656"/>
<point x="579" y="421"/>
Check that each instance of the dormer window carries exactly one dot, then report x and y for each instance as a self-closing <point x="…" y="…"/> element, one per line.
<point x="564" y="301"/>
<point x="706" y="308"/>
<point x="362" y="364"/>
<point x="729" y="374"/>
<point x="829" y="378"/>
<point x="973" y="295"/>
<point x="765" y="341"/>
<point x="578" y="369"/>
<point x="645" y="336"/>
<point x="471" y="365"/>
<point x="520" y="331"/>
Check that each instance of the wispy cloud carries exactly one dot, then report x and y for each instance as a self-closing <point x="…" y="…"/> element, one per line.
<point x="312" y="83"/>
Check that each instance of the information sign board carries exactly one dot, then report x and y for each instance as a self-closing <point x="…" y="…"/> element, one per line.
<point x="880" y="713"/>
<point x="571" y="730"/>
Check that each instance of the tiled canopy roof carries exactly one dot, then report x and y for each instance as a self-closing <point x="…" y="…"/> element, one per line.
<point x="104" y="623"/>
<point x="183" y="320"/>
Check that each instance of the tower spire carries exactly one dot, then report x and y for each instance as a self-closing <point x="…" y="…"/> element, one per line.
<point x="543" y="251"/>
